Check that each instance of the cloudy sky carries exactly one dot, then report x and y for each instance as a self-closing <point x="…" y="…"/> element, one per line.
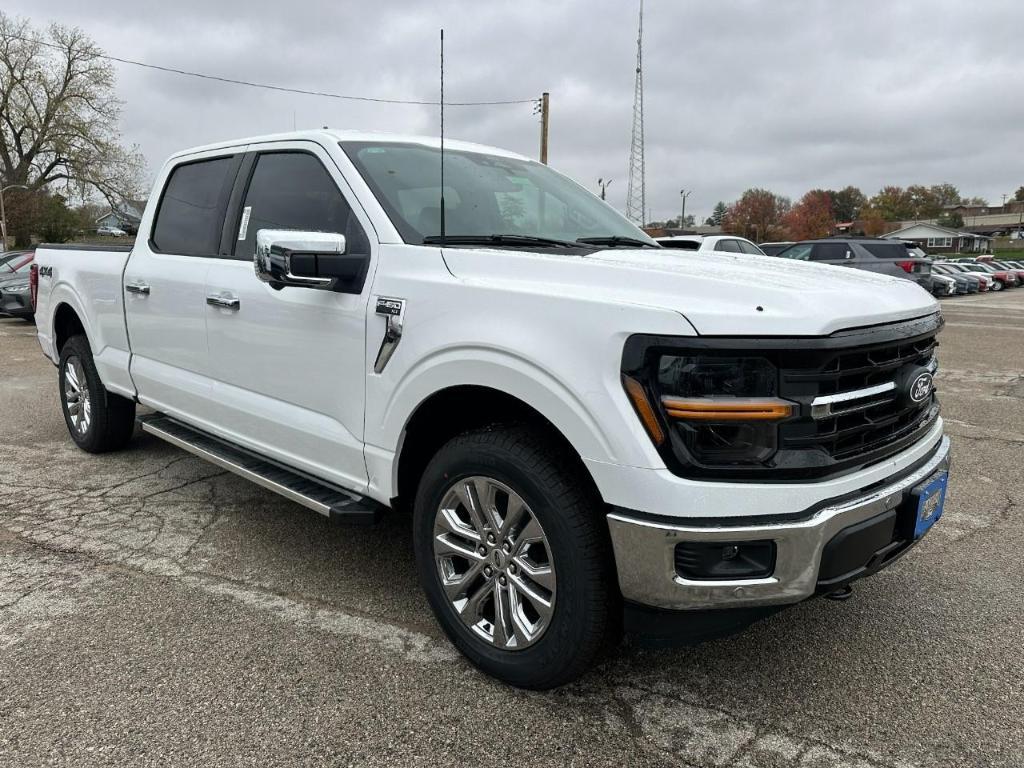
<point x="783" y="94"/>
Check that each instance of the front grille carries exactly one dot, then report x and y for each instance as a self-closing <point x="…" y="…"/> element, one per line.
<point x="868" y="425"/>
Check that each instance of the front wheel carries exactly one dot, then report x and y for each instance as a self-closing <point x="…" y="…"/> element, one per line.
<point x="996" y="286"/>
<point x="513" y="553"/>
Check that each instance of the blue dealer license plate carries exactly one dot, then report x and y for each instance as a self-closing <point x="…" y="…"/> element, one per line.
<point x="930" y="498"/>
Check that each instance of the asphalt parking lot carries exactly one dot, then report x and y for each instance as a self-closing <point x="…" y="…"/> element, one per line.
<point x="157" y="611"/>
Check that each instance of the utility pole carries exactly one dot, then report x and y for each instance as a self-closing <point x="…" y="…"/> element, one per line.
<point x="545" y="115"/>
<point x="603" y="185"/>
<point x="682" y="216"/>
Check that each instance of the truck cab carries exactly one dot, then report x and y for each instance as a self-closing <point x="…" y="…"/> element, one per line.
<point x="584" y="429"/>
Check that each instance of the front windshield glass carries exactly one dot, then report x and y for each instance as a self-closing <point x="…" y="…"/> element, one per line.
<point x="483" y="195"/>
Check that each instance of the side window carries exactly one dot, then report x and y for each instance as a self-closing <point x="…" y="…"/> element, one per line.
<point x="830" y="252"/>
<point x="292" y="190"/>
<point x="748" y="247"/>
<point x="729" y="246"/>
<point x="800" y="252"/>
<point x="191" y="213"/>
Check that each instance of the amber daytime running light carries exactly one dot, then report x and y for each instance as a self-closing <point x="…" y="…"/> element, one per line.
<point x="726" y="409"/>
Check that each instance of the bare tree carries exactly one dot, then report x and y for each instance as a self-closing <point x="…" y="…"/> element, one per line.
<point x="59" y="120"/>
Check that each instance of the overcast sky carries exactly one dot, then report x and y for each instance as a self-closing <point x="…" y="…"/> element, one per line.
<point x="787" y="95"/>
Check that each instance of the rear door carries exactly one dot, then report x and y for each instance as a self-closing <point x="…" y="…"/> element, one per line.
<point x="289" y="364"/>
<point x="165" y="282"/>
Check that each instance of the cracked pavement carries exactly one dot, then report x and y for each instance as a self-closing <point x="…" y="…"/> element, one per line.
<point x="157" y="611"/>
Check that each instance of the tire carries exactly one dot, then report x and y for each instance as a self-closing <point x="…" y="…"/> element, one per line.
<point x="98" y="420"/>
<point x="997" y="285"/>
<point x="583" y="620"/>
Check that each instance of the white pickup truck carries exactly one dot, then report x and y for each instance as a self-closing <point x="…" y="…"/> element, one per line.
<point x="590" y="433"/>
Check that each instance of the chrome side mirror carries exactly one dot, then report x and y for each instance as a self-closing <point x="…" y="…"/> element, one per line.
<point x="285" y="257"/>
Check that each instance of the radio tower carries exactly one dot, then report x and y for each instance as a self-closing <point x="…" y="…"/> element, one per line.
<point x="636" y="192"/>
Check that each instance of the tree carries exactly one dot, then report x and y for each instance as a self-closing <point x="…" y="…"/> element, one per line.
<point x="58" y="119"/>
<point x="811" y="217"/>
<point x="976" y="200"/>
<point x="757" y="215"/>
<point x="924" y="203"/>
<point x="718" y="214"/>
<point x="1019" y="195"/>
<point x="951" y="219"/>
<point x="945" y="194"/>
<point x="846" y="203"/>
<point x="892" y="203"/>
<point x="873" y="222"/>
<point x="57" y="223"/>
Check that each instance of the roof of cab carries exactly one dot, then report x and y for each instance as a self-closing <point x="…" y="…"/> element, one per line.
<point x="330" y="136"/>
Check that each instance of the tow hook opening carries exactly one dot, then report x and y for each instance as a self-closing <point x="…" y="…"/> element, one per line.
<point x="843" y="593"/>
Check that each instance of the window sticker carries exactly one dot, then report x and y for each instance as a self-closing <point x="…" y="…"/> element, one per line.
<point x="243" y="227"/>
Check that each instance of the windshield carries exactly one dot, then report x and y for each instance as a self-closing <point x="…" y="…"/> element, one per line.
<point x="483" y="195"/>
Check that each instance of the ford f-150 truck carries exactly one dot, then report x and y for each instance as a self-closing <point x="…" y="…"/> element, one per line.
<point x="590" y="433"/>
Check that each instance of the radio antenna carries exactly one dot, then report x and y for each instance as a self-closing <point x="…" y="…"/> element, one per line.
<point x="442" y="137"/>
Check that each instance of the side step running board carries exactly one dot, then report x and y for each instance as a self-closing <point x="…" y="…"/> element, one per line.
<point x="327" y="499"/>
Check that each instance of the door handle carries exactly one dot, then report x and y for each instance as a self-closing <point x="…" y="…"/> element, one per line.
<point x="137" y="287"/>
<point x="223" y="300"/>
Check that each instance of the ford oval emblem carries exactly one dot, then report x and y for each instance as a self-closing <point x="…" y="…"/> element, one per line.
<point x="921" y="388"/>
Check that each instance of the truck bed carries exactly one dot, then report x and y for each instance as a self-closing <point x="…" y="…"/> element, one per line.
<point x="88" y="279"/>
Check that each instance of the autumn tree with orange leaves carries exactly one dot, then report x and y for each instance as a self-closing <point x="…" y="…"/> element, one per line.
<point x="811" y="217"/>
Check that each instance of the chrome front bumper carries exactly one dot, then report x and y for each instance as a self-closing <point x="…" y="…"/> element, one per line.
<point x="645" y="550"/>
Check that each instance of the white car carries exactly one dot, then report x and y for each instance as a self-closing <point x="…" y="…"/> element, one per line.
<point x="730" y="244"/>
<point x="111" y="232"/>
<point x="581" y="430"/>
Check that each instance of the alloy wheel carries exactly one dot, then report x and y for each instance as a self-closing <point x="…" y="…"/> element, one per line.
<point x="76" y="395"/>
<point x="494" y="562"/>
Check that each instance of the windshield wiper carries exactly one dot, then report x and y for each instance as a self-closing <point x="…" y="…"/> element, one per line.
<point x="616" y="240"/>
<point x="498" y="240"/>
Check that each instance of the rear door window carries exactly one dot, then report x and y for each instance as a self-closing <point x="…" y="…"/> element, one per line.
<point x="293" y="190"/>
<point x="801" y="252"/>
<point x="887" y="250"/>
<point x="729" y="246"/>
<point x="748" y="247"/>
<point x="191" y="213"/>
<point x="831" y="252"/>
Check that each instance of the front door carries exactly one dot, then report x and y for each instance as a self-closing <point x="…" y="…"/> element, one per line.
<point x="289" y="364"/>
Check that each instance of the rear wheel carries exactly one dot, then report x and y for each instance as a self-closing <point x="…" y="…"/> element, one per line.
<point x="98" y="420"/>
<point x="997" y="285"/>
<point x="512" y="551"/>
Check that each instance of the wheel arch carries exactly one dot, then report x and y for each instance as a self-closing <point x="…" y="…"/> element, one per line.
<point x="67" y="322"/>
<point x="456" y="409"/>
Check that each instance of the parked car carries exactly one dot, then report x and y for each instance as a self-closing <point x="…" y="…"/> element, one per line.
<point x="888" y="257"/>
<point x="1002" y="278"/>
<point x="10" y="259"/>
<point x="588" y="431"/>
<point x="111" y="232"/>
<point x="774" y="249"/>
<point x="965" y="283"/>
<point x="729" y="244"/>
<point x="1008" y="267"/>
<point x="943" y="285"/>
<point x="987" y="280"/>
<point x="15" y="293"/>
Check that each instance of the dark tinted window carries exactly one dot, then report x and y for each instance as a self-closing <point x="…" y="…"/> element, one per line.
<point x="292" y="190"/>
<point x="887" y="250"/>
<point x="750" y="248"/>
<point x="683" y="245"/>
<point x="191" y="212"/>
<point x="830" y="252"/>
<point x="729" y="246"/>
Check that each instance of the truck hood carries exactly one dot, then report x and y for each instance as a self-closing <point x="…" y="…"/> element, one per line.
<point x="720" y="295"/>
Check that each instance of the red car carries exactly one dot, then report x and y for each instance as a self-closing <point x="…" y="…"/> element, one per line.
<point x="1003" y="278"/>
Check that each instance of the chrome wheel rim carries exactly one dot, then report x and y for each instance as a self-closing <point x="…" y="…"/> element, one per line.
<point x="494" y="563"/>
<point x="76" y="395"/>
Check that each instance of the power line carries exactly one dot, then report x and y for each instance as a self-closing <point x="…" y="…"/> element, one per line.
<point x="281" y="88"/>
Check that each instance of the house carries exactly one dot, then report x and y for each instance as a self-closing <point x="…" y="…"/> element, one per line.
<point x="126" y="216"/>
<point x="935" y="239"/>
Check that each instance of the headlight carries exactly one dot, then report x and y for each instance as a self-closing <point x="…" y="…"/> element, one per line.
<point x="717" y="410"/>
<point x="18" y="287"/>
